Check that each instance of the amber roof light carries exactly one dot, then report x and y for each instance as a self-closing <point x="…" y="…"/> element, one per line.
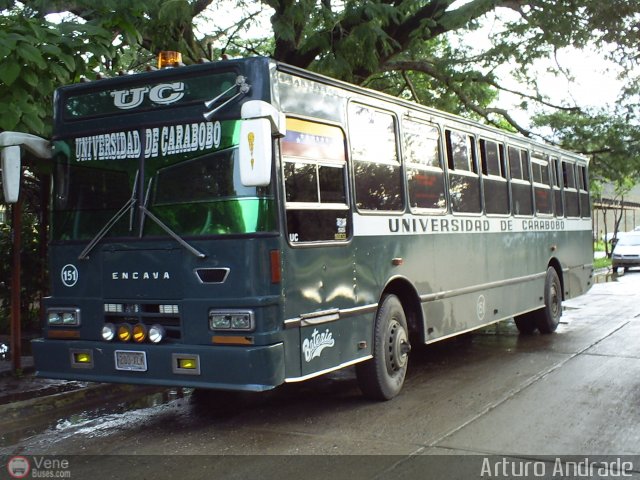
<point x="168" y="59"/>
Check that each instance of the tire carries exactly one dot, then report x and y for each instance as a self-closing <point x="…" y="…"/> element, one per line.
<point x="526" y="323"/>
<point x="382" y="377"/>
<point x="548" y="317"/>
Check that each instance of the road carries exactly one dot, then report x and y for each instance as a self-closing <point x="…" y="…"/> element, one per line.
<point x="495" y="394"/>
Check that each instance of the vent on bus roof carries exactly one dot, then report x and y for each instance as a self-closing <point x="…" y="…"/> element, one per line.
<point x="212" y="275"/>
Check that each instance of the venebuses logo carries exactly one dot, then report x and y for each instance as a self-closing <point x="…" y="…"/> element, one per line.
<point x="18" y="467"/>
<point x="38" y="467"/>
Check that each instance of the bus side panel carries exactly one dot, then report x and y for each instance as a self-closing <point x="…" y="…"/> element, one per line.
<point x="319" y="286"/>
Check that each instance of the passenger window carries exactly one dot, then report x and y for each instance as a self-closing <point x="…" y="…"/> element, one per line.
<point x="376" y="165"/>
<point x="583" y="184"/>
<point x="571" y="195"/>
<point x="521" y="193"/>
<point x="314" y="171"/>
<point x="541" y="186"/>
<point x="464" y="181"/>
<point x="556" y="175"/>
<point x="496" y="188"/>
<point x="425" y="177"/>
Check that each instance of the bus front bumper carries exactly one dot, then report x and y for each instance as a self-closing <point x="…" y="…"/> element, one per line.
<point x="255" y="368"/>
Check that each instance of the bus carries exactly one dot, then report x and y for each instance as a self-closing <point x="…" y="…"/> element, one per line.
<point x="241" y="224"/>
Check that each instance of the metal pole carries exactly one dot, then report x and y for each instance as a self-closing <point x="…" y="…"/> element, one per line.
<point x="16" y="337"/>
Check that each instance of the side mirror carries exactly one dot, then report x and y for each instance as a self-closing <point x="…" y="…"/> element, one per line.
<point x="260" y="123"/>
<point x="11" y="144"/>
<point x="256" y="152"/>
<point x="11" y="173"/>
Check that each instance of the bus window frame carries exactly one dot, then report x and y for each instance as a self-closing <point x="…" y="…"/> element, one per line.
<point x="583" y="189"/>
<point x="406" y="165"/>
<point x="543" y="161"/>
<point x="557" y="185"/>
<point x="521" y="181"/>
<point x="474" y="172"/>
<point x="319" y="205"/>
<point x="503" y="177"/>
<point x="351" y="160"/>
<point x="569" y="166"/>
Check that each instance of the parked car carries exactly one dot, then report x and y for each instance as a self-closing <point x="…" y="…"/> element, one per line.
<point x="626" y="253"/>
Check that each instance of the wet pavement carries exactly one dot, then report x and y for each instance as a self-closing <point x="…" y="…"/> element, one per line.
<point x="491" y="393"/>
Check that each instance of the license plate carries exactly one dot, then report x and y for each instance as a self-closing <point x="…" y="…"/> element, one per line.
<point x="131" y="361"/>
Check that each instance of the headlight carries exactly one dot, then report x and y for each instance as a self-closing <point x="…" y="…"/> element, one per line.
<point x="156" y="333"/>
<point x="108" y="332"/>
<point x="231" y="320"/>
<point x="68" y="317"/>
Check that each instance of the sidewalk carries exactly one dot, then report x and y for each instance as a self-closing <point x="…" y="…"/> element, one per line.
<point x="26" y="399"/>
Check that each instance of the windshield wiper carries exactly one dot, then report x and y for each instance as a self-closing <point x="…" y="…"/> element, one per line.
<point x="129" y="206"/>
<point x="146" y="213"/>
<point x="243" y="89"/>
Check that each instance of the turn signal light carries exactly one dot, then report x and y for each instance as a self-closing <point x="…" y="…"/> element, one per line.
<point x="139" y="333"/>
<point x="124" y="332"/>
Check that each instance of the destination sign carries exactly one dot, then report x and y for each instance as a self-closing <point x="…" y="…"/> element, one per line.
<point x="159" y="141"/>
<point x="142" y="96"/>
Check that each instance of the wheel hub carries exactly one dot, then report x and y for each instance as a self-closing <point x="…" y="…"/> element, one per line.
<point x="397" y="352"/>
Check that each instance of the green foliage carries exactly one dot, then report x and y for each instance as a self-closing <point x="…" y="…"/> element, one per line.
<point x="36" y="57"/>
<point x="611" y="140"/>
<point x="603" y="262"/>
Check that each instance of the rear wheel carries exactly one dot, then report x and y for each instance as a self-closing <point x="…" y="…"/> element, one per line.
<point x="382" y="377"/>
<point x="548" y="317"/>
<point x="526" y="323"/>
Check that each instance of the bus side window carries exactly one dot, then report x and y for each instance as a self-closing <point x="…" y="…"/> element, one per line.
<point x="376" y="164"/>
<point x="520" y="181"/>
<point x="464" y="181"/>
<point x="425" y="177"/>
<point x="583" y="185"/>
<point x="314" y="174"/>
<point x="494" y="178"/>
<point x="556" y="176"/>
<point x="541" y="186"/>
<point x="571" y="197"/>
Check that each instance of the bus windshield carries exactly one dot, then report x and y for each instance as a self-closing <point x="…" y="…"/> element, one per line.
<point x="194" y="189"/>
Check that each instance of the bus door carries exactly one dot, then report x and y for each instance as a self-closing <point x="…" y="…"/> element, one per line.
<point x="318" y="265"/>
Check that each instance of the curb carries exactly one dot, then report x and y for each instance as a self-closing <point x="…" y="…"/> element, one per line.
<point x="14" y="415"/>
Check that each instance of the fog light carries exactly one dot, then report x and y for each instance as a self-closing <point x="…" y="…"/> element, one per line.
<point x="124" y="332"/>
<point x="188" y="363"/>
<point x="82" y="357"/>
<point x="156" y="333"/>
<point x="139" y="333"/>
<point x="108" y="332"/>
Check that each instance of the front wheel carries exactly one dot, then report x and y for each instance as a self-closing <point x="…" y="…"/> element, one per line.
<point x="381" y="378"/>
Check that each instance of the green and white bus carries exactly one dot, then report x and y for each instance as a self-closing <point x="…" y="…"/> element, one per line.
<point x="242" y="224"/>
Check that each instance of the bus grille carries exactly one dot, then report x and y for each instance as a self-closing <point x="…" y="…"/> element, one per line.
<point x="167" y="315"/>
